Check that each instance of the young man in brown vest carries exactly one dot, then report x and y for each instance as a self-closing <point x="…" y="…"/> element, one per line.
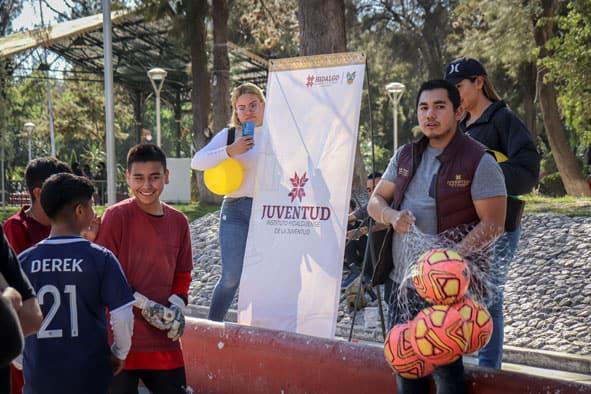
<point x="443" y="181"/>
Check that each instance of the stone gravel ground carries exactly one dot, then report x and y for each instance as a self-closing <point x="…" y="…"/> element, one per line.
<point x="547" y="296"/>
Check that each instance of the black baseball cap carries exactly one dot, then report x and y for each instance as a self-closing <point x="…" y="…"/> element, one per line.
<point x="463" y="68"/>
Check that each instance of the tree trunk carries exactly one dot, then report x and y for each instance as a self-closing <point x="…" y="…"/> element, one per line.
<point x="528" y="88"/>
<point x="197" y="35"/>
<point x="322" y="30"/>
<point x="178" y="116"/>
<point x="433" y="36"/>
<point x="221" y="66"/>
<point x="570" y="171"/>
<point x="322" y="27"/>
<point x="3" y="134"/>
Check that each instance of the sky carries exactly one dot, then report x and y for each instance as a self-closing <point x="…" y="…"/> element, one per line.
<point x="30" y="16"/>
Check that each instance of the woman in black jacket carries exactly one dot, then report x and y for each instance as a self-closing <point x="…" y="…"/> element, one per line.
<point x="488" y="120"/>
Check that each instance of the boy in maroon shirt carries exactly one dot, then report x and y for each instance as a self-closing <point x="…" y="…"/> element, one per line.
<point x="29" y="226"/>
<point x="152" y="241"/>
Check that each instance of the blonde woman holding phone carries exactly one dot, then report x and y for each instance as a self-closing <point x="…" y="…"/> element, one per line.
<point x="238" y="141"/>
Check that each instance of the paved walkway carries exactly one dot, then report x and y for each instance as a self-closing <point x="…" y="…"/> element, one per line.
<point x="547" y="297"/>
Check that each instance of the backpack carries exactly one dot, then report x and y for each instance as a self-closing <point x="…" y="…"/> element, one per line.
<point x="231" y="135"/>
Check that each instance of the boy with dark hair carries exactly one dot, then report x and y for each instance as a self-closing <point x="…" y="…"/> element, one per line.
<point x="27" y="227"/>
<point x="30" y="225"/>
<point x="152" y="241"/>
<point x="75" y="281"/>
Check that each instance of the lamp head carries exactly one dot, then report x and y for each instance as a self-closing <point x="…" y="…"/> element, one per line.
<point x="395" y="88"/>
<point x="28" y="127"/>
<point x="157" y="74"/>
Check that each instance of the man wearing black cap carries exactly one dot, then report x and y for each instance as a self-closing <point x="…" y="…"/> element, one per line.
<point x="488" y="120"/>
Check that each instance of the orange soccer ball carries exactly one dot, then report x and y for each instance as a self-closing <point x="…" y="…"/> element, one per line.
<point x="401" y="356"/>
<point x="478" y="324"/>
<point x="441" y="276"/>
<point x="436" y="334"/>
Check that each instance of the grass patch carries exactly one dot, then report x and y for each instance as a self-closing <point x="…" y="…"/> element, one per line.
<point x="196" y="210"/>
<point x="567" y="205"/>
<point x="192" y="211"/>
<point x="7" y="212"/>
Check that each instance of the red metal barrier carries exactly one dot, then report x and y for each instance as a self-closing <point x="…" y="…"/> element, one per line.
<point x="229" y="358"/>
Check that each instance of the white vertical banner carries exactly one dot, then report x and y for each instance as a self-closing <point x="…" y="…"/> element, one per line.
<point x="294" y="253"/>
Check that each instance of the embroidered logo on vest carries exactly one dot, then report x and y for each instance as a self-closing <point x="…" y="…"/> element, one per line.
<point x="458" y="182"/>
<point x="403" y="172"/>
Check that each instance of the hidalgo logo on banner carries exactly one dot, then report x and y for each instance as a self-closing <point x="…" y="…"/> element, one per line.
<point x="295" y="219"/>
<point x="325" y="80"/>
<point x="322" y="80"/>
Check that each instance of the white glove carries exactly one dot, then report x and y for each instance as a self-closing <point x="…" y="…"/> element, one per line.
<point x="156" y="314"/>
<point x="177" y="305"/>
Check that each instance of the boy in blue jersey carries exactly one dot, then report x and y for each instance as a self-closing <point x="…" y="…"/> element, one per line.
<point x="75" y="281"/>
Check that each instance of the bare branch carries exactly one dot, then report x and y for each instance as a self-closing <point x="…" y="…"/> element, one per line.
<point x="60" y="14"/>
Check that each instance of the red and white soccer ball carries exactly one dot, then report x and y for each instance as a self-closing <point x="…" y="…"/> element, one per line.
<point x="400" y="355"/>
<point x="478" y="325"/>
<point x="437" y="335"/>
<point x="441" y="276"/>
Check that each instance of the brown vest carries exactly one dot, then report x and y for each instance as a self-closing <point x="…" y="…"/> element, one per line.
<point x="453" y="199"/>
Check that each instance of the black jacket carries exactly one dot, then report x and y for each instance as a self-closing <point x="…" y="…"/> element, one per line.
<point x="501" y="130"/>
<point x="11" y="336"/>
<point x="498" y="128"/>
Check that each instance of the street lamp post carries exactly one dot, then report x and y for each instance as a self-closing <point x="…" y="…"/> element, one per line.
<point x="395" y="91"/>
<point x="29" y="127"/>
<point x="109" y="103"/>
<point x="157" y="76"/>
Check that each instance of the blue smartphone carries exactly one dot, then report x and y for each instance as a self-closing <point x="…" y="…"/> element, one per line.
<point x="248" y="129"/>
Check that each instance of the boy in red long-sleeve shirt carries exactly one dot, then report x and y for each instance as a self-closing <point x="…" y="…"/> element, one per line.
<point x="152" y="241"/>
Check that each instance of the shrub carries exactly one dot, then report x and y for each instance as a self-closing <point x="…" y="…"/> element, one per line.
<point x="551" y="185"/>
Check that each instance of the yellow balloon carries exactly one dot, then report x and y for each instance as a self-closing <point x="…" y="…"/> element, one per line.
<point x="224" y="178"/>
<point x="499" y="156"/>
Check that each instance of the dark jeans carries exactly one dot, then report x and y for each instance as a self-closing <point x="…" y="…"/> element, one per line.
<point x="449" y="379"/>
<point x="171" y="381"/>
<point x="234" y="221"/>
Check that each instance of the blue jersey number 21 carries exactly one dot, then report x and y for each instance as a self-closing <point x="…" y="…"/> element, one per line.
<point x="57" y="333"/>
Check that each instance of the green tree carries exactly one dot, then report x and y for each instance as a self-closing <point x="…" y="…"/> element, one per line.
<point x="9" y="9"/>
<point x="570" y="170"/>
<point x="79" y="113"/>
<point x="495" y="32"/>
<point x="392" y="55"/>
<point x="569" y="65"/>
<point x="267" y="27"/>
<point x="189" y="28"/>
<point x="521" y="56"/>
<point x="427" y="21"/>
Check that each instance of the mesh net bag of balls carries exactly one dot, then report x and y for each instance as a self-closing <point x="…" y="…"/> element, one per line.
<point x="453" y="325"/>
